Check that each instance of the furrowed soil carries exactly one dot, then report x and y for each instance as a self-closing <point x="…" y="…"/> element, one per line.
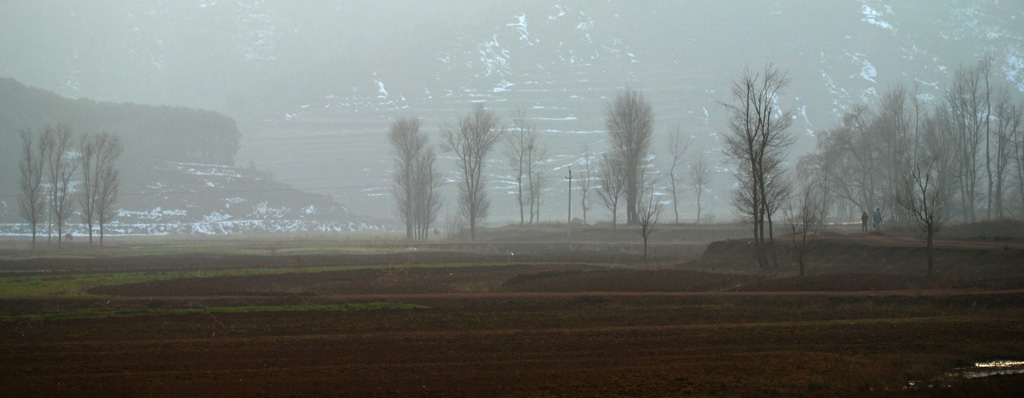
<point x="520" y="315"/>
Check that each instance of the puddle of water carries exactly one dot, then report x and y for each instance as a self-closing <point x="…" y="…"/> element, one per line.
<point x="993" y="368"/>
<point x="979" y="370"/>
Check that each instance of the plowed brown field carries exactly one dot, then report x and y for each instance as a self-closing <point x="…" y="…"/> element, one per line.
<point x="558" y="328"/>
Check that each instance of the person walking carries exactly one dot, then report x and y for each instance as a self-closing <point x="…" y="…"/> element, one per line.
<point x="878" y="218"/>
<point x="864" y="222"/>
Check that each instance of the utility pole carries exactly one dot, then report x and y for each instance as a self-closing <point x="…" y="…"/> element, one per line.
<point x="568" y="224"/>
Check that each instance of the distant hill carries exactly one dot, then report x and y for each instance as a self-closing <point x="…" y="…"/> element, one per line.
<point x="177" y="172"/>
<point x="148" y="132"/>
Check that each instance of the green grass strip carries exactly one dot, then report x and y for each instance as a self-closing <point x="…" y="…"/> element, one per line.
<point x="76" y="285"/>
<point x="94" y="314"/>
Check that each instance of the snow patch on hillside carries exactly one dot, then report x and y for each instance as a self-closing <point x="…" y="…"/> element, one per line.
<point x="561" y="13"/>
<point x="874" y="17"/>
<point x="867" y="70"/>
<point x="1014" y="68"/>
<point x="524" y="34"/>
<point x="494" y="58"/>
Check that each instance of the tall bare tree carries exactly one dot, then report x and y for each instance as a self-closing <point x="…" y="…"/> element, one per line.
<point x="985" y="65"/>
<point x="677" y="144"/>
<point x="61" y="169"/>
<point x="108" y="187"/>
<point x="97" y="153"/>
<point x="536" y="188"/>
<point x="700" y="177"/>
<point x="584" y="181"/>
<point x="756" y="140"/>
<point x="892" y="130"/>
<point x="629" y="118"/>
<point x="407" y="145"/>
<point x="1008" y="117"/>
<point x="471" y="141"/>
<point x="613" y="185"/>
<point x="427" y="194"/>
<point x="524" y="154"/>
<point x="32" y="202"/>
<point x="966" y="121"/>
<point x="1015" y="134"/>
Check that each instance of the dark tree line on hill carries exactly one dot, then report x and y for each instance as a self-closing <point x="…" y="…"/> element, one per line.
<point x="49" y="163"/>
<point x="149" y="133"/>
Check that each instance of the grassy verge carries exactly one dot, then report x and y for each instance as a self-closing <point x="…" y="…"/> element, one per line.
<point x="76" y="285"/>
<point x="93" y="314"/>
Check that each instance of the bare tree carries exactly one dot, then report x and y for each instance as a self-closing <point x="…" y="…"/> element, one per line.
<point x="61" y="171"/>
<point x="755" y="141"/>
<point x="524" y="155"/>
<point x="700" y="177"/>
<point x="471" y="141"/>
<point x="613" y="185"/>
<point x="47" y="141"/>
<point x="87" y="187"/>
<point x="648" y="215"/>
<point x="803" y="215"/>
<point x="427" y="194"/>
<point x="892" y="130"/>
<point x="852" y="172"/>
<point x="584" y="181"/>
<point x="966" y="126"/>
<point x="407" y="146"/>
<point x="536" y="188"/>
<point x="32" y="202"/>
<point x="630" y="122"/>
<point x="97" y="153"/>
<point x="985" y="65"/>
<point x="1008" y="118"/>
<point x="108" y="186"/>
<point x="1016" y="141"/>
<point x="677" y="144"/>
<point x="923" y="197"/>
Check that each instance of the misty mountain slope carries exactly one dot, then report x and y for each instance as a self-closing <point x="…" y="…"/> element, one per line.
<point x="315" y="86"/>
<point x="176" y="172"/>
<point x="562" y="63"/>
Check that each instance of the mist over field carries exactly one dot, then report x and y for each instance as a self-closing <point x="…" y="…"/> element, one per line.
<point x="300" y="95"/>
<point x="511" y="198"/>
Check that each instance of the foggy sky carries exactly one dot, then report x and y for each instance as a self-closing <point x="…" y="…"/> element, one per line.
<point x="320" y="69"/>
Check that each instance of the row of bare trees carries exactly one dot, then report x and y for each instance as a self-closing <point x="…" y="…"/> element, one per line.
<point x="50" y="161"/>
<point x="471" y="140"/>
<point x="622" y="176"/>
<point x="525" y="153"/>
<point x="974" y="133"/>
<point x="624" y="171"/>
<point x="960" y="157"/>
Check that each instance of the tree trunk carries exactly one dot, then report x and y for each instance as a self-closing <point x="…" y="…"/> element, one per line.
<point x="931" y="251"/>
<point x="698" y="205"/>
<point x="675" y="201"/>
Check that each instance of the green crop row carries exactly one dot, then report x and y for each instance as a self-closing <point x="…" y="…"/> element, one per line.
<point x="92" y="314"/>
<point x="64" y="285"/>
